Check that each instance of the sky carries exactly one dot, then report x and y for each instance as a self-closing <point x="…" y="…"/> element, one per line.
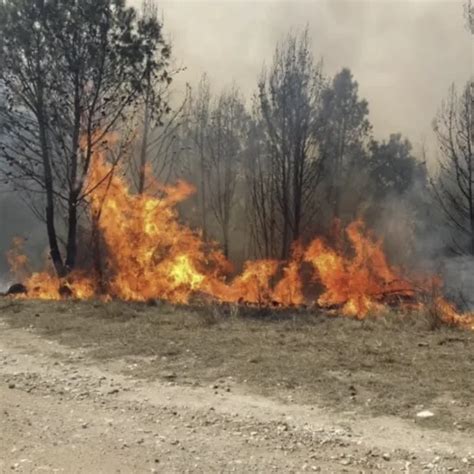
<point x="403" y="53"/>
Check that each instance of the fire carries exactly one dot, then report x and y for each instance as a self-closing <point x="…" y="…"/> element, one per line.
<point x="146" y="253"/>
<point x="358" y="283"/>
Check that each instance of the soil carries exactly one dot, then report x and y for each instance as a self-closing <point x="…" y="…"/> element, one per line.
<point x="108" y="388"/>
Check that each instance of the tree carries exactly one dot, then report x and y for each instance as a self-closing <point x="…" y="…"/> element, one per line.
<point x="260" y="192"/>
<point x="226" y="137"/>
<point x="198" y="124"/>
<point x="161" y="119"/>
<point x="289" y="100"/>
<point x="393" y="168"/>
<point x="346" y="130"/>
<point x="454" y="187"/>
<point x="71" y="71"/>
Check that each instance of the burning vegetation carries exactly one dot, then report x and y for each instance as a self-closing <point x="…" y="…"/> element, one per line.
<point x="268" y="178"/>
<point x="148" y="254"/>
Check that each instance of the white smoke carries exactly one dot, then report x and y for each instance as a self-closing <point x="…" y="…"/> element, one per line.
<point x="5" y="283"/>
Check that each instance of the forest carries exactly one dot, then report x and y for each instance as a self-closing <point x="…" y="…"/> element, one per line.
<point x="259" y="177"/>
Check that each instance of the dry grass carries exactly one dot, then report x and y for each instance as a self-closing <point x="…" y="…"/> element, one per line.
<point x="392" y="364"/>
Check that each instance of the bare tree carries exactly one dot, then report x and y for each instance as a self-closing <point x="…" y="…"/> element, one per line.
<point x="454" y="188"/>
<point x="198" y="125"/>
<point x="260" y="193"/>
<point x="290" y="101"/>
<point x="161" y="117"/>
<point x="71" y="70"/>
<point x="226" y="136"/>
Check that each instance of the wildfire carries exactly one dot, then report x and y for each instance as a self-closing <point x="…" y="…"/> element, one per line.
<point x="356" y="284"/>
<point x="147" y="253"/>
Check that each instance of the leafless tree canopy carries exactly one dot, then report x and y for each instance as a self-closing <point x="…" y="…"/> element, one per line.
<point x="454" y="188"/>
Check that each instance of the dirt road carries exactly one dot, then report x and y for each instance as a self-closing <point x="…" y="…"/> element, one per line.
<point x="63" y="412"/>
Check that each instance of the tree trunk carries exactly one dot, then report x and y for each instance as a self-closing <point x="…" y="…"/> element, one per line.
<point x="49" y="189"/>
<point x="143" y="151"/>
<point x="71" y="249"/>
<point x="203" y="198"/>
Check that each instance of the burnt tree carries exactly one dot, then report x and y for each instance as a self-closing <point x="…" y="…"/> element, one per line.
<point x="454" y="186"/>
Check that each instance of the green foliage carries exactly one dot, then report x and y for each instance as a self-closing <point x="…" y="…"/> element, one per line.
<point x="393" y="168"/>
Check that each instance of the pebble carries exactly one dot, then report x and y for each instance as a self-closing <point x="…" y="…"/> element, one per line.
<point x="425" y="414"/>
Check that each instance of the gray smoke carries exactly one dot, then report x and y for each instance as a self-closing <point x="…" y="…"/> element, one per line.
<point x="458" y="275"/>
<point x="16" y="220"/>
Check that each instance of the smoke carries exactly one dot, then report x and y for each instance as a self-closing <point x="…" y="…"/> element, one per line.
<point x="416" y="237"/>
<point x="394" y="48"/>
<point x="4" y="285"/>
<point x="458" y="275"/>
<point x="18" y="221"/>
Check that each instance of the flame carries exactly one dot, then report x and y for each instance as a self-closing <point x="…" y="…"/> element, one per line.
<point x="16" y="258"/>
<point x="147" y="253"/>
<point x="449" y="314"/>
<point x="289" y="290"/>
<point x="358" y="283"/>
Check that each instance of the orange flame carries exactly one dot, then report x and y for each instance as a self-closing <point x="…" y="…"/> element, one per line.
<point x="149" y="254"/>
<point x="358" y="283"/>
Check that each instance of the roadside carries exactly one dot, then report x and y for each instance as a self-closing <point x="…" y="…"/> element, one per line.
<point x="84" y="407"/>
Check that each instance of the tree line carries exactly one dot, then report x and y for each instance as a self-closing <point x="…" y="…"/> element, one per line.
<point x="271" y="170"/>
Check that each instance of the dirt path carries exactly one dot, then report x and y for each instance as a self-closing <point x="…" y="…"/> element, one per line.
<point x="60" y="412"/>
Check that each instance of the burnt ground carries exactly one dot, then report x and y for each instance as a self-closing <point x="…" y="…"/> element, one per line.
<point x="95" y="387"/>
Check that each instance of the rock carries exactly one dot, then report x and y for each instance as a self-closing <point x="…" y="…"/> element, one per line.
<point x="386" y="456"/>
<point x="169" y="375"/>
<point x="17" y="289"/>
<point x="11" y="385"/>
<point x="425" y="414"/>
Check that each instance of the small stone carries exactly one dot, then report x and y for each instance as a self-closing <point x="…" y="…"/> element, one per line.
<point x="386" y="456"/>
<point x="425" y="414"/>
<point x="11" y="385"/>
<point x="169" y="375"/>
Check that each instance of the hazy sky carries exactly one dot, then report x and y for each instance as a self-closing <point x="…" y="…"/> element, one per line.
<point x="403" y="53"/>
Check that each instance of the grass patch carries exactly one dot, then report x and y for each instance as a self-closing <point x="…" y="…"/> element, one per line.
<point x="392" y="364"/>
